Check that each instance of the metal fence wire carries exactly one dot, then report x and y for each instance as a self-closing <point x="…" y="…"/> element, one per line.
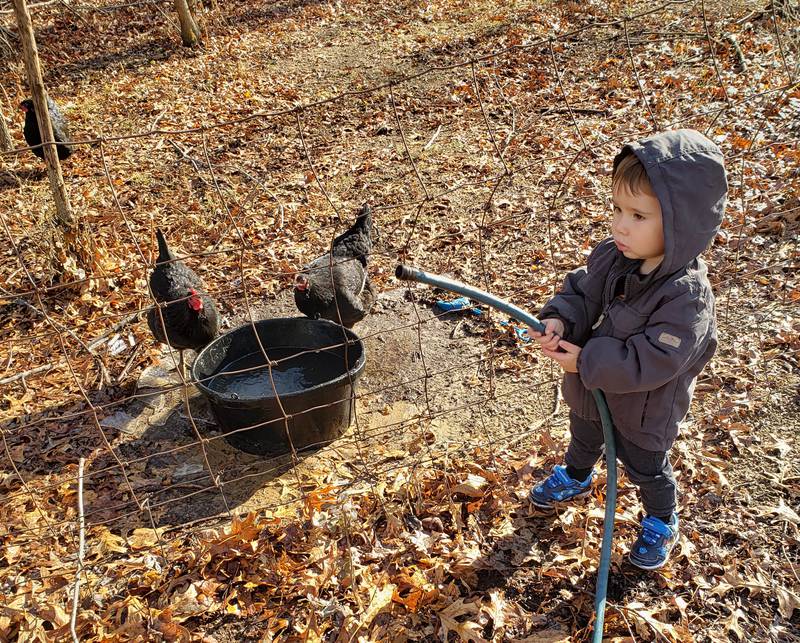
<point x="494" y="169"/>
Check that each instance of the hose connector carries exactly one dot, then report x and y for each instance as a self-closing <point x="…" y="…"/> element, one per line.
<point x="404" y="272"/>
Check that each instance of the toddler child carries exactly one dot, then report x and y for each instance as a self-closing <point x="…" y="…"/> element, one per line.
<point x="637" y="322"/>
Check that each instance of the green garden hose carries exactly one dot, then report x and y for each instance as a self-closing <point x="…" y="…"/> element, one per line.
<point x="413" y="274"/>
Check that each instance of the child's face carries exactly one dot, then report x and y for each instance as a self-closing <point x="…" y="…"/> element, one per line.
<point x="637" y="227"/>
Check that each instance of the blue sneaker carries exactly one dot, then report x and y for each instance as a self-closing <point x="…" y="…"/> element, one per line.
<point x="559" y="487"/>
<point x="655" y="542"/>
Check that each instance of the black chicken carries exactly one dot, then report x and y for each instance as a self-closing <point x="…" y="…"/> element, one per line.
<point x="339" y="277"/>
<point x="58" y="123"/>
<point x="189" y="316"/>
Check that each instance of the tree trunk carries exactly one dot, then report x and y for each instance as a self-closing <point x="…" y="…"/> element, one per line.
<point x="190" y="31"/>
<point x="5" y="136"/>
<point x="76" y="243"/>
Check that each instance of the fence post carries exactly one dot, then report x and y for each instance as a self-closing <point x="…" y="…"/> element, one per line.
<point x="65" y="219"/>
<point x="5" y="136"/>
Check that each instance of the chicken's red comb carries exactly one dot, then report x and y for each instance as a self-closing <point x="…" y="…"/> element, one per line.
<point x="194" y="302"/>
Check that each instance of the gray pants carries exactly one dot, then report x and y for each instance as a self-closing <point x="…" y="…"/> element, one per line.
<point x="651" y="471"/>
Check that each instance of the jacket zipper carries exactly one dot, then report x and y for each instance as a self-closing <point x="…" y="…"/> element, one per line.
<point x="608" y="294"/>
<point x="600" y="319"/>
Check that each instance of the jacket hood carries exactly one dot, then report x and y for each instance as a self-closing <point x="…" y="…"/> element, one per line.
<point x="687" y="173"/>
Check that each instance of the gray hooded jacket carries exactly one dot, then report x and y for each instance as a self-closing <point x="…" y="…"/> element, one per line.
<point x="645" y="338"/>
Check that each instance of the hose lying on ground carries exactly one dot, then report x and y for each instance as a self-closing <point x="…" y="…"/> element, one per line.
<point x="413" y="274"/>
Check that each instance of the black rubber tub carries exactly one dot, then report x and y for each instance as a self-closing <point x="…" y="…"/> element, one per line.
<point x="313" y="365"/>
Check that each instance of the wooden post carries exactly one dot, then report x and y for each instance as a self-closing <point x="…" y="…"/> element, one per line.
<point x="31" y="55"/>
<point x="5" y="136"/>
<point x="75" y="243"/>
<point x="190" y="31"/>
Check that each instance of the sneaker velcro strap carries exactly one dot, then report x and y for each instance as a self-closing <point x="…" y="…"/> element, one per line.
<point x="561" y="475"/>
<point x="657" y="526"/>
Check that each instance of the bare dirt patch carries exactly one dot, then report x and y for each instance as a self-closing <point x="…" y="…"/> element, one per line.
<point x="403" y="417"/>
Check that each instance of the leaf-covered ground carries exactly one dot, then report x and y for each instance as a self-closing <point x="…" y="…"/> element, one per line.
<point x="482" y="133"/>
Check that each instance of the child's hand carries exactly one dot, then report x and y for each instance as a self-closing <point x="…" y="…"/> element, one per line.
<point x="567" y="357"/>
<point x="554" y="329"/>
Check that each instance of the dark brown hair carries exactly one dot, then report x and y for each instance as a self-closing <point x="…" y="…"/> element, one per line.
<point x="630" y="173"/>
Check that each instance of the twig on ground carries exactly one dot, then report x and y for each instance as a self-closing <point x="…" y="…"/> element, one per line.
<point x="104" y="376"/>
<point x="433" y="138"/>
<point x="36" y="5"/>
<point x="30" y="371"/>
<point x="659" y="635"/>
<point x="753" y="15"/>
<point x="81" y="546"/>
<point x="10" y="360"/>
<point x="157" y="118"/>
<point x="115" y="328"/>
<point x="740" y="59"/>
<point x="63" y="328"/>
<point x="184" y="155"/>
<point x="791" y="565"/>
<point x="624" y="618"/>
<point x="90" y="346"/>
<point x="575" y="110"/>
<point x="197" y="419"/>
<point x="128" y="364"/>
<point x="85" y="22"/>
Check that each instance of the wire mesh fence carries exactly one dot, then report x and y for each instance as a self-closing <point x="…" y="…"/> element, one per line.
<point x="494" y="169"/>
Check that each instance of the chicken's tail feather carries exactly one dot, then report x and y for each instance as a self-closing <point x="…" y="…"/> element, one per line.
<point x="164" y="253"/>
<point x="364" y="220"/>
